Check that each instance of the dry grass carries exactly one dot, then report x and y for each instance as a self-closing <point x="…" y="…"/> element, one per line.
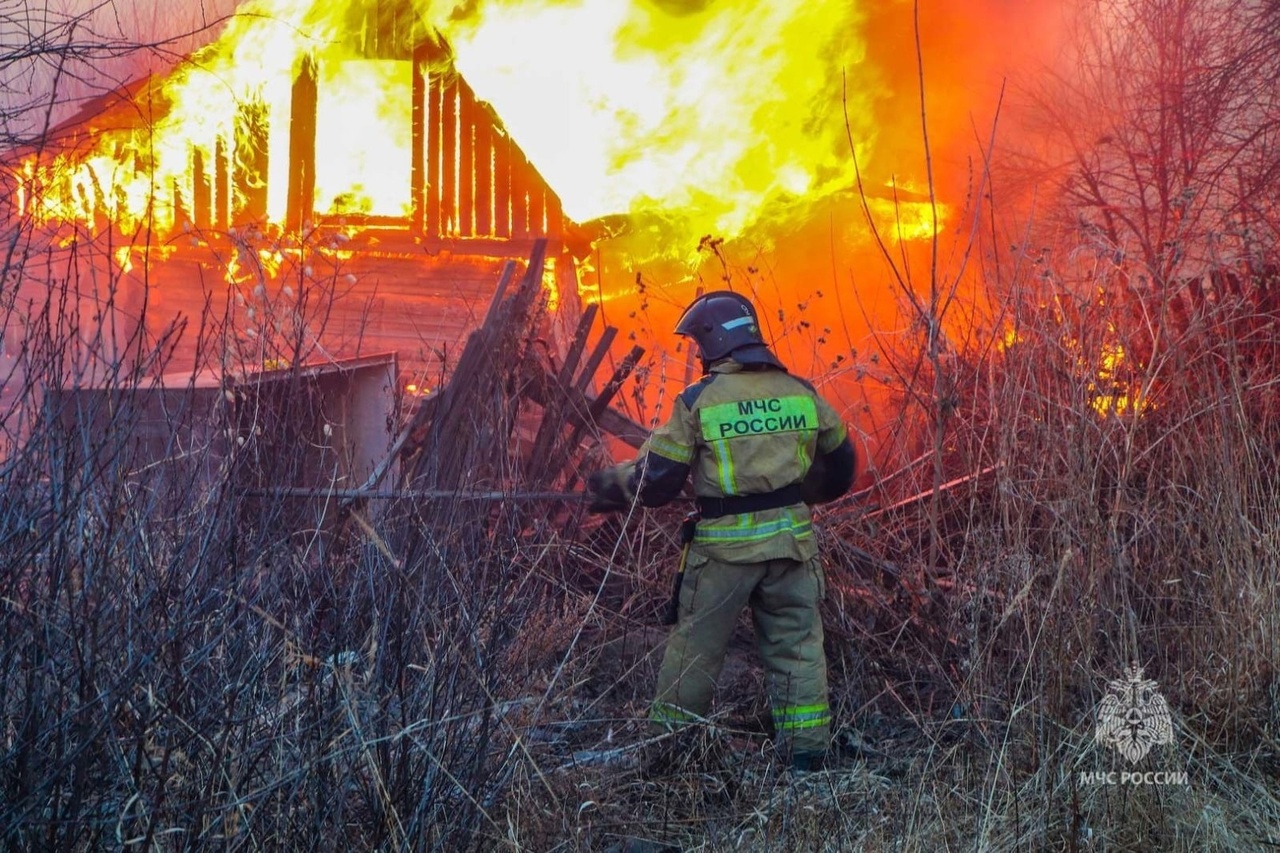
<point x="180" y="668"/>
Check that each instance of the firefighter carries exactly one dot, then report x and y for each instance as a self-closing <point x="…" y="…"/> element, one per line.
<point x="761" y="446"/>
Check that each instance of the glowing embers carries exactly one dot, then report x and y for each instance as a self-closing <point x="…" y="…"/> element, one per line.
<point x="1107" y="376"/>
<point x="90" y="191"/>
<point x="1115" y="392"/>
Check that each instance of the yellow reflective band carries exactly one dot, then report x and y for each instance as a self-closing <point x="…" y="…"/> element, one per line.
<point x="671" y="450"/>
<point x="724" y="466"/>
<point x="805" y="724"/>
<point x="802" y="456"/>
<point x="765" y="416"/>
<point x="801" y="710"/>
<point x="747" y="529"/>
<point x="802" y="717"/>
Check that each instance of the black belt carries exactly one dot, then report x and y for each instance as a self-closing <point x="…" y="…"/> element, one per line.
<point x="737" y="504"/>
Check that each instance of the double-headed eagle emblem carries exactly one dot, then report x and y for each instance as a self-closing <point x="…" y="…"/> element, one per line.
<point x="1133" y="716"/>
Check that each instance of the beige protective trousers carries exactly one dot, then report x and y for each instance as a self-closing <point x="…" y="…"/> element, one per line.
<point x="784" y="597"/>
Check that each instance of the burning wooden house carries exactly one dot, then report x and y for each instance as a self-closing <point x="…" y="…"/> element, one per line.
<point x="321" y="188"/>
<point x="313" y="221"/>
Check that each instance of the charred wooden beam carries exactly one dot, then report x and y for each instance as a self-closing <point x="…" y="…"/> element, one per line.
<point x="519" y="193"/>
<point x="475" y="411"/>
<point x="435" y="108"/>
<point x="418" y="144"/>
<point x="597" y="407"/>
<point x="537" y="205"/>
<point x="449" y="158"/>
<point x="222" y="185"/>
<point x="596" y="357"/>
<point x="541" y="464"/>
<point x="614" y="385"/>
<point x="538" y="389"/>
<point x="201" y="191"/>
<point x="554" y="215"/>
<point x="484" y="173"/>
<point x="466" y="159"/>
<point x="302" y="147"/>
<point x="502" y="185"/>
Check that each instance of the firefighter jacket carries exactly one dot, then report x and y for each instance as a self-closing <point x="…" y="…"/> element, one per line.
<point x="748" y="431"/>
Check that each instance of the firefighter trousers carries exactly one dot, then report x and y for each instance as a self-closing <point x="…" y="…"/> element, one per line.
<point x="784" y="596"/>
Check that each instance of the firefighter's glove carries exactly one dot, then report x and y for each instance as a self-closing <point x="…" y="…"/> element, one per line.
<point x="608" y="491"/>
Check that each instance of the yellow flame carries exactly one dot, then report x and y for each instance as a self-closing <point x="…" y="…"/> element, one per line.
<point x="124" y="259"/>
<point x="725" y="113"/>
<point x="715" y="109"/>
<point x="902" y="221"/>
<point x="1118" y="397"/>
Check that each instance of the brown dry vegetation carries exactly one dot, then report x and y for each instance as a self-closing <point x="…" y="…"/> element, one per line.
<point x="181" y="668"/>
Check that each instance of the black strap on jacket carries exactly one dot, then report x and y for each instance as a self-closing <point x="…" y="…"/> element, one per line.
<point x="737" y="504"/>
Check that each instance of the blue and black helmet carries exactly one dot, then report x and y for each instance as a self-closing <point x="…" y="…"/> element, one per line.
<point x="719" y="323"/>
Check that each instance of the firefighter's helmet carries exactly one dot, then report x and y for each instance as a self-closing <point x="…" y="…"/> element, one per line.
<point x="719" y="323"/>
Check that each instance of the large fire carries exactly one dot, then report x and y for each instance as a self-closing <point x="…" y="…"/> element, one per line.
<point x="720" y="114"/>
<point x="744" y="143"/>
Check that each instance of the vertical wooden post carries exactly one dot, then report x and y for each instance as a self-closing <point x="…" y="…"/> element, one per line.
<point x="537" y="192"/>
<point x="435" y="93"/>
<point x="502" y="184"/>
<point x="484" y="173"/>
<point x="555" y="216"/>
<point x="222" y="185"/>
<point x="302" y="147"/>
<point x="182" y="214"/>
<point x="418" y="154"/>
<point x="449" y="159"/>
<point x="466" y="159"/>
<point x="519" y="193"/>
<point x="201" y="191"/>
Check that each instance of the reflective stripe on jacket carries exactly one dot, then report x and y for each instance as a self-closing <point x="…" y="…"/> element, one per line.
<point x="745" y="432"/>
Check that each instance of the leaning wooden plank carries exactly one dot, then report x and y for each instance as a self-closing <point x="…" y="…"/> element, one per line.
<point x="614" y="384"/>
<point x="536" y="383"/>
<point x="551" y="428"/>
<point x="622" y="427"/>
<point x="572" y="357"/>
<point x="597" y="356"/>
<point x="508" y="273"/>
<point x="598" y="406"/>
<point x="416" y="423"/>
<point x="433" y="427"/>
<point x="478" y="412"/>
